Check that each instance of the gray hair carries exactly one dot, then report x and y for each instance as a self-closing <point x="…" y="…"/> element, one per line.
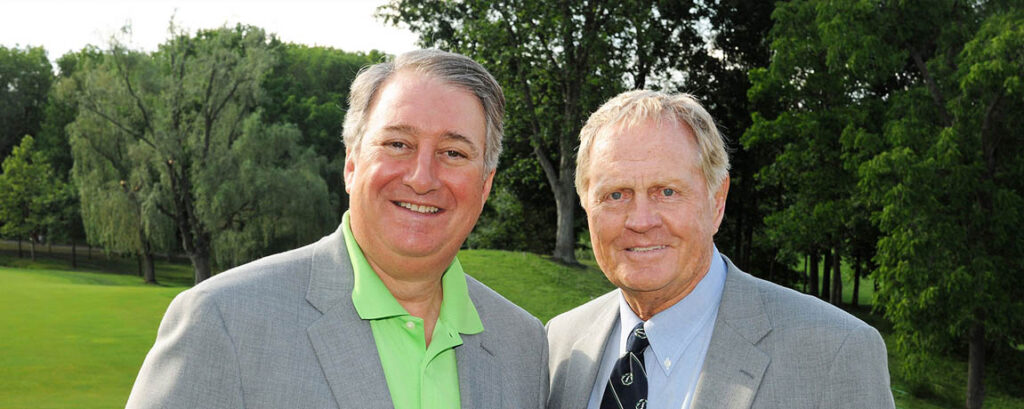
<point x="633" y="107"/>
<point x="454" y="69"/>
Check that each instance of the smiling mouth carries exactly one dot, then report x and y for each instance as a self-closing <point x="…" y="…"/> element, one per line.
<point x="645" y="249"/>
<point x="419" y="208"/>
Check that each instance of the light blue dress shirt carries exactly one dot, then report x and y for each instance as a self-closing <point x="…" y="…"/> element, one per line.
<point x="679" y="337"/>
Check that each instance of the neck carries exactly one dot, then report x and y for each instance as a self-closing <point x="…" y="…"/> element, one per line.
<point x="420" y="296"/>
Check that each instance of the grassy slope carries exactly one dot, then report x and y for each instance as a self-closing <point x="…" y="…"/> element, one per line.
<point x="542" y="287"/>
<point x="85" y="333"/>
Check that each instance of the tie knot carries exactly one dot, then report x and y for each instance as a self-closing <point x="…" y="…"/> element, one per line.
<point x="637" y="340"/>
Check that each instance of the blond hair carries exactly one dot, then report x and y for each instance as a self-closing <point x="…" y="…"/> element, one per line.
<point x="633" y="107"/>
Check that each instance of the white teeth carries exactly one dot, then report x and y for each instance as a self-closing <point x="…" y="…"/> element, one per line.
<point x="419" y="208"/>
<point x="643" y="249"/>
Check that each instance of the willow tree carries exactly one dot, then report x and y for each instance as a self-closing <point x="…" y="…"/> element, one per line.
<point x="189" y="126"/>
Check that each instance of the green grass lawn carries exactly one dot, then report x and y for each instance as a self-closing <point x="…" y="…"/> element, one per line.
<point x="77" y="338"/>
<point x="74" y="339"/>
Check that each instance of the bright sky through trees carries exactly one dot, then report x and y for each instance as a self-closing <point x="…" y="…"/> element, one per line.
<point x="62" y="26"/>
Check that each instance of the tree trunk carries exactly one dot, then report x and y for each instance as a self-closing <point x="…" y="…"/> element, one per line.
<point x="88" y="254"/>
<point x="976" y="367"/>
<point x="807" y="272"/>
<point x="812" y="279"/>
<point x="74" y="254"/>
<point x="837" y="280"/>
<point x="856" y="283"/>
<point x="565" y="240"/>
<point x="826" y="278"/>
<point x="32" y="248"/>
<point x="148" y="272"/>
<point x="201" y="263"/>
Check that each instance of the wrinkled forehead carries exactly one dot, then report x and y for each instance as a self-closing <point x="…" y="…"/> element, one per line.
<point x="640" y="132"/>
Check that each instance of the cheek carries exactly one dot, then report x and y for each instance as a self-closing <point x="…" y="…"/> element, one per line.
<point x="466" y="186"/>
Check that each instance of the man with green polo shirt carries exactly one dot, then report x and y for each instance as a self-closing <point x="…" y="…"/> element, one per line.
<point x="378" y="314"/>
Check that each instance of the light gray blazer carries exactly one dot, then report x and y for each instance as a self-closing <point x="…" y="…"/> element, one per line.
<point x="281" y="332"/>
<point x="772" y="347"/>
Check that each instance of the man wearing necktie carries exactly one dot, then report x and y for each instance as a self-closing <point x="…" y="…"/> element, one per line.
<point x="686" y="328"/>
<point x="378" y="314"/>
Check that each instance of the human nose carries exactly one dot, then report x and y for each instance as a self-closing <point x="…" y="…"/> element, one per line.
<point x="643" y="215"/>
<point x="422" y="178"/>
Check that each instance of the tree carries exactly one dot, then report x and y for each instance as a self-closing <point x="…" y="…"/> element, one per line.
<point x="308" y="86"/>
<point x="558" y="64"/>
<point x="30" y="194"/>
<point x="25" y="78"/>
<point x="234" y="187"/>
<point x="118" y="191"/>
<point x="739" y="43"/>
<point x="903" y="106"/>
<point x="54" y="142"/>
<point x="950" y="192"/>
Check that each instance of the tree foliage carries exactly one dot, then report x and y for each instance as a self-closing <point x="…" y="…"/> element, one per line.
<point x="25" y="78"/>
<point x="31" y="196"/>
<point x="184" y="122"/>
<point x="905" y="112"/>
<point x="308" y="86"/>
<point x="557" y="63"/>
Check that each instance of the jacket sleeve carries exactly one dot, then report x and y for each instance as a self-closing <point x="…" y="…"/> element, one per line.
<point x="193" y="362"/>
<point x="859" y="375"/>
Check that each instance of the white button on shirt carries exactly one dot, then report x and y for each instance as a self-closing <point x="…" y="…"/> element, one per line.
<point x="679" y="338"/>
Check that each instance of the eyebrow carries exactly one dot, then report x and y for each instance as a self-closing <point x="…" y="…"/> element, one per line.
<point x="411" y="130"/>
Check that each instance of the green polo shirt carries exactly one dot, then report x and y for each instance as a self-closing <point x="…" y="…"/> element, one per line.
<point x="418" y="376"/>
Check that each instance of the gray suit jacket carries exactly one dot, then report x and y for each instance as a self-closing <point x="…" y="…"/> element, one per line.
<point x="281" y="332"/>
<point x="771" y="347"/>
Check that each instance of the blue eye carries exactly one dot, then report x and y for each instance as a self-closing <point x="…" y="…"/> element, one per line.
<point x="668" y="192"/>
<point x="616" y="195"/>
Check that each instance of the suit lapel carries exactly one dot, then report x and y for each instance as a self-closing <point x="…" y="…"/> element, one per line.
<point x="479" y="379"/>
<point x="734" y="366"/>
<point x="342" y="341"/>
<point x="586" y="356"/>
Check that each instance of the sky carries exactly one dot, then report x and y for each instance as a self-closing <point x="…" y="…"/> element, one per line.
<point x="62" y="26"/>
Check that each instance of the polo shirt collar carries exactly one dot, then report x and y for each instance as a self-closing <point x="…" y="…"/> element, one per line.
<point x="373" y="300"/>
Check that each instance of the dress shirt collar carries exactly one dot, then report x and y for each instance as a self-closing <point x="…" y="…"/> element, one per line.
<point x="673" y="330"/>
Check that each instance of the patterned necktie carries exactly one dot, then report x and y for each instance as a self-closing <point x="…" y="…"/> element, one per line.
<point x="627" y="387"/>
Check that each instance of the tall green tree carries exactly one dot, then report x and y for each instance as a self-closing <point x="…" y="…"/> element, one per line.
<point x="308" y="86"/>
<point x="234" y="187"/>
<point x="815" y="105"/>
<point x="54" y="142"/>
<point x="557" y="63"/>
<point x="738" y="38"/>
<point x="30" y="195"/>
<point x="118" y="189"/>
<point x="25" y="78"/>
<point x="906" y="107"/>
<point x="950" y="192"/>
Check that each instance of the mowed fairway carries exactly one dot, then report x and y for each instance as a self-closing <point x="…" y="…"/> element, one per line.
<point x="74" y="339"/>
